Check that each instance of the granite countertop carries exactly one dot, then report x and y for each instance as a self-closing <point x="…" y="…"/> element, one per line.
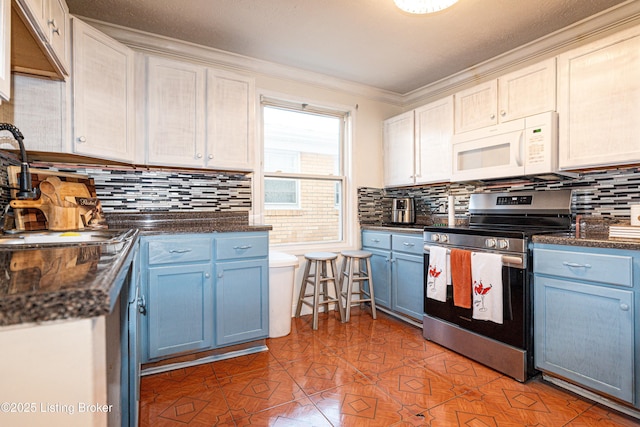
<point x="592" y="240"/>
<point x="161" y="222"/>
<point x="79" y="280"/>
<point x="398" y="228"/>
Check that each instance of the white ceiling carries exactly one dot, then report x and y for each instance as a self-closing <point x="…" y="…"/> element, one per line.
<point x="365" y="41"/>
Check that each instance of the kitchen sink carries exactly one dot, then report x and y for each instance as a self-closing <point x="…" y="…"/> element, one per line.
<point x="38" y="239"/>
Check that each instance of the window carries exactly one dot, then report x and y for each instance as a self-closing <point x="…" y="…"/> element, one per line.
<point x="303" y="172"/>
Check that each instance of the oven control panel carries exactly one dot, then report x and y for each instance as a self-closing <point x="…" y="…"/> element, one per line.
<point x="513" y="200"/>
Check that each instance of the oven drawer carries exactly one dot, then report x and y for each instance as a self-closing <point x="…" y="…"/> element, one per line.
<point x="604" y="268"/>
<point x="408" y="244"/>
<point x="376" y="240"/>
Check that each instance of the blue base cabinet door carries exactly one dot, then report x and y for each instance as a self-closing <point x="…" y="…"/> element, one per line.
<point x="241" y="301"/>
<point x="408" y="293"/>
<point x="180" y="309"/>
<point x="381" y="275"/>
<point x="585" y="333"/>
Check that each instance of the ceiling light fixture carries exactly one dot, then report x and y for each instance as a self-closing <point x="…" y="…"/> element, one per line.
<point x="423" y="6"/>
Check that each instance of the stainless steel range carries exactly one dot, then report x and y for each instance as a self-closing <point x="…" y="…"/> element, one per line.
<point x="501" y="224"/>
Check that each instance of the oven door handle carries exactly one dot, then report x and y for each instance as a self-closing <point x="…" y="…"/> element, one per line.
<point x="506" y="259"/>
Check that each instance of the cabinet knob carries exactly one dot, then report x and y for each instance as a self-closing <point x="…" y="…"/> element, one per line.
<point x="624" y="307"/>
<point x="493" y="116"/>
<point x="210" y="156"/>
<point x="82" y="139"/>
<point x="220" y="275"/>
<point x="199" y="155"/>
<point x="207" y="275"/>
<point x="503" y="113"/>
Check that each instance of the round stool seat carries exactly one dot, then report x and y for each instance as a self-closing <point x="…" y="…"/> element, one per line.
<point x="321" y="256"/>
<point x="356" y="254"/>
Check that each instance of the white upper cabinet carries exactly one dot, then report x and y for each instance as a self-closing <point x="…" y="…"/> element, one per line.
<point x="5" y="50"/>
<point x="399" y="150"/>
<point x="433" y="130"/>
<point x="599" y="102"/>
<point x="175" y="112"/>
<point x="522" y="93"/>
<point x="47" y="22"/>
<point x="417" y="145"/>
<point x="198" y="116"/>
<point x="103" y="96"/>
<point x="477" y="107"/>
<point x="230" y="120"/>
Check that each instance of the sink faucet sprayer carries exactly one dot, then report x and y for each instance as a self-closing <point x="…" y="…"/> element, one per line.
<point x="25" y="191"/>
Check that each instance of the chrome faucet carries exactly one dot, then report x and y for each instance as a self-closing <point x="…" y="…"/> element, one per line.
<point x="25" y="191"/>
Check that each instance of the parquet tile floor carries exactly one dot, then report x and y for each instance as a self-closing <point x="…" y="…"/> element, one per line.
<point x="362" y="373"/>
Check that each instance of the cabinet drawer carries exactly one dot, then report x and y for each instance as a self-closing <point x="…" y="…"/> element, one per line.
<point x="408" y="244"/>
<point x="604" y="268"/>
<point x="241" y="247"/>
<point x="181" y="250"/>
<point x="376" y="240"/>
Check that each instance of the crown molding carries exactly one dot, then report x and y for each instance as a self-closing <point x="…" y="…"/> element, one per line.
<point x="585" y="31"/>
<point x="162" y="45"/>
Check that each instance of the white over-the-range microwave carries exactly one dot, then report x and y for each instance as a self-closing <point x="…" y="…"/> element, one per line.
<point x="518" y="148"/>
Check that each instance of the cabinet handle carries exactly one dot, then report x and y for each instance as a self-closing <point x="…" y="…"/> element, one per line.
<point x="576" y="265"/>
<point x="408" y="244"/>
<point x="375" y="240"/>
<point x="179" y="251"/>
<point x="238" y="248"/>
<point x="82" y="139"/>
<point x="142" y="305"/>
<point x="624" y="307"/>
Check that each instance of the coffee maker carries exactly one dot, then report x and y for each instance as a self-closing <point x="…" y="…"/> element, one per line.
<point x="403" y="210"/>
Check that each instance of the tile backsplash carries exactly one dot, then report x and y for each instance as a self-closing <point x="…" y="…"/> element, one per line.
<point x="129" y="189"/>
<point x="606" y="194"/>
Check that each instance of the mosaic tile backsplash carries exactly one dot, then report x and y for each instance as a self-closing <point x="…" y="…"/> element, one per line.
<point x="606" y="194"/>
<point x="128" y="189"/>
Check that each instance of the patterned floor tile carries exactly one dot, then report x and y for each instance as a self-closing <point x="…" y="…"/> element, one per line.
<point x="255" y="391"/>
<point x="363" y="373"/>
<point x="321" y="372"/>
<point x="301" y="413"/>
<point x="243" y="364"/>
<point x="358" y="404"/>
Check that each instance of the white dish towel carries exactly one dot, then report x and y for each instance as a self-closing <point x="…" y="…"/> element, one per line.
<point x="438" y="276"/>
<point x="486" y="277"/>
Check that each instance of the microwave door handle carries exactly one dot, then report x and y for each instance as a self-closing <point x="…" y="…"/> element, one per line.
<point x="520" y="149"/>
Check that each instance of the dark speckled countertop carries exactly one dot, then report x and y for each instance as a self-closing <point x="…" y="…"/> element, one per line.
<point x="79" y="280"/>
<point x="592" y="240"/>
<point x="84" y="280"/>
<point x="160" y="222"/>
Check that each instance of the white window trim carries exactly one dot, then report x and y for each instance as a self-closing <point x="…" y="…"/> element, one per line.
<point x="350" y="228"/>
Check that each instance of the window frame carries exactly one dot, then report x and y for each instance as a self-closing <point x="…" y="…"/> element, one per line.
<point x="343" y="180"/>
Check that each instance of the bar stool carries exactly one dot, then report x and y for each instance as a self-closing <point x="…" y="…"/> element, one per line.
<point x="356" y="268"/>
<point x="316" y="274"/>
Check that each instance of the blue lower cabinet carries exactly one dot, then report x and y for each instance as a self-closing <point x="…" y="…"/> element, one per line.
<point x="242" y="301"/>
<point x="585" y="317"/>
<point x="203" y="291"/>
<point x="397" y="271"/>
<point x="180" y="309"/>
